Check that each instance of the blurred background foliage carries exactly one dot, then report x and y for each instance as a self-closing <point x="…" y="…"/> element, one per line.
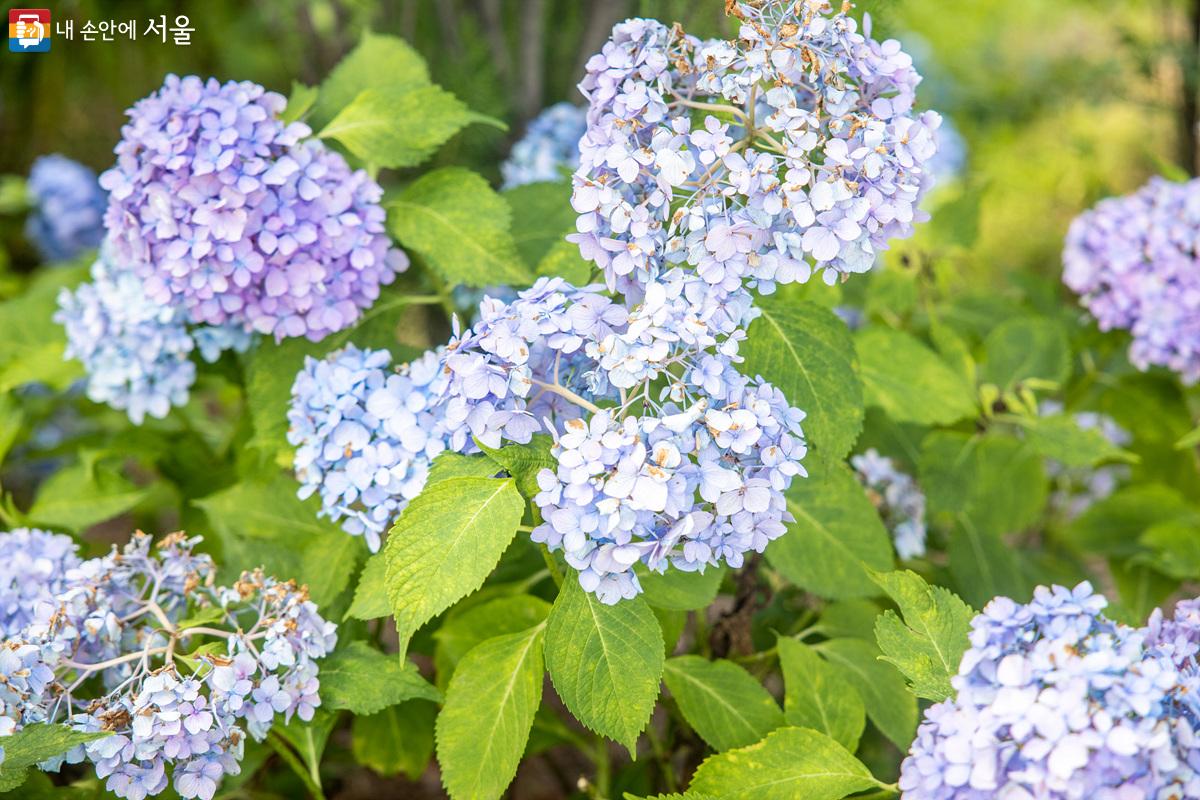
<point x="1061" y="101"/>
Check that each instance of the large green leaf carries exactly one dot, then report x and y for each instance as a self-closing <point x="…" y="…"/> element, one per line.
<point x="929" y="643"/>
<point x="31" y="342"/>
<point x="1114" y="525"/>
<point x="377" y="62"/>
<point x="605" y="661"/>
<point x="1174" y="547"/>
<point x="361" y="679"/>
<point x="490" y="703"/>
<point x="817" y="696"/>
<point x="836" y="534"/>
<point x="983" y="564"/>
<point x="790" y="764"/>
<point x="1024" y="348"/>
<point x="84" y="494"/>
<point x="400" y="126"/>
<point x="909" y="381"/>
<point x="1060" y="437"/>
<point x="721" y="701"/>
<point x="463" y="631"/>
<point x="890" y="706"/>
<point x="397" y="739"/>
<point x="806" y="351"/>
<point x="681" y="591"/>
<point x="460" y="225"/>
<point x="263" y="524"/>
<point x="35" y="743"/>
<point x="446" y="542"/>
<point x="525" y="461"/>
<point x="542" y="217"/>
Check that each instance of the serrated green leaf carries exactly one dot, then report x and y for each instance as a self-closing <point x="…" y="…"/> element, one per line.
<point x="400" y="126"/>
<point x="449" y="464"/>
<point x="300" y="101"/>
<point x="35" y="743"/>
<point x="890" y="706"/>
<point x="446" y="542"/>
<point x="681" y="591"/>
<point x="458" y="223"/>
<point x="836" y="534"/>
<point x="1024" y="348"/>
<point x="377" y="61"/>
<point x="909" y="381"/>
<point x="84" y="494"/>
<point x="463" y="631"/>
<point x="806" y="351"/>
<point x="1059" y="437"/>
<point x="929" y="644"/>
<point x="397" y="739"/>
<point x="361" y="679"/>
<point x="542" y="217"/>
<point x="605" y="661"/>
<point x="817" y="696"/>
<point x="790" y="764"/>
<point x="721" y="701"/>
<point x="490" y="704"/>
<point x="262" y="523"/>
<point x="370" y="595"/>
<point x="524" y="461"/>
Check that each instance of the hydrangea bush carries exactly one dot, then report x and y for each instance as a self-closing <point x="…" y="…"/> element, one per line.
<point x="667" y="457"/>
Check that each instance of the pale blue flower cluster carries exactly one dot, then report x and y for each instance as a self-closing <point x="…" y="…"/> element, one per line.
<point x="33" y="564"/>
<point x="549" y="150"/>
<point x="67" y="216"/>
<point x="792" y="149"/>
<point x="104" y="653"/>
<point x="136" y="351"/>
<point x="899" y="500"/>
<point x="1133" y="261"/>
<point x="1054" y="701"/>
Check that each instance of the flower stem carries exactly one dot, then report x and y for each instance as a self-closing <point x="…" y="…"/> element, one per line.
<point x="562" y="391"/>
<point x="552" y="565"/>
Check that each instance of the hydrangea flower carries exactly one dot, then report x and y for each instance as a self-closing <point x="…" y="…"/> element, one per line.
<point x="68" y="208"/>
<point x="1053" y="700"/>
<point x="222" y="211"/>
<point x="33" y="566"/>
<point x="792" y="149"/>
<point x="899" y="500"/>
<point x="136" y="351"/>
<point x="549" y="149"/>
<point x="1133" y="262"/>
<point x="950" y="159"/>
<point x="102" y="654"/>
<point x="1076" y="490"/>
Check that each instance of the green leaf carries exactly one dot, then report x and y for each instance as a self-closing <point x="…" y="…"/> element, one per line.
<point x="35" y="743"/>
<point x="1190" y="440"/>
<point x="300" y="101"/>
<point x="929" y="644"/>
<point x="1020" y="349"/>
<point x="31" y="342"/>
<point x="370" y="595"/>
<point x="490" y="703"/>
<point x="449" y="464"/>
<point x="806" y="351"/>
<point x="524" y="461"/>
<point x="605" y="661"/>
<point x="463" y="631"/>
<point x="361" y="679"/>
<point x="817" y="696"/>
<point x="397" y="739"/>
<point x="458" y="223"/>
<point x="1114" y="525"/>
<point x="909" y="381"/>
<point x="446" y="542"/>
<point x="983" y="565"/>
<point x="1175" y="547"/>
<point x="307" y="740"/>
<point x="890" y="706"/>
<point x="790" y="764"/>
<point x="84" y="494"/>
<point x="682" y="591"/>
<point x="400" y="126"/>
<point x="564" y="261"/>
<point x="855" y="617"/>
<point x="721" y="701"/>
<point x="377" y="62"/>
<point x="1140" y="589"/>
<point x="264" y="524"/>
<point x="836" y="534"/>
<point x="1060" y="437"/>
<point x="542" y="217"/>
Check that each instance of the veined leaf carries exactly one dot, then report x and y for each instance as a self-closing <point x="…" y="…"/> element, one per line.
<point x="890" y="706"/>
<point x="909" y="381"/>
<point x="378" y="61"/>
<point x="361" y="679"/>
<point x="461" y="632"/>
<point x="817" y="696"/>
<point x="35" y="743"/>
<point x="721" y="701"/>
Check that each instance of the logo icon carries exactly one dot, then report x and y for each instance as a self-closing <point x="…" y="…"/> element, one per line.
<point x="29" y="30"/>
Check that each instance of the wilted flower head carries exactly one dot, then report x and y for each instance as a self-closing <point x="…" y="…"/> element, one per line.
<point x="68" y="208"/>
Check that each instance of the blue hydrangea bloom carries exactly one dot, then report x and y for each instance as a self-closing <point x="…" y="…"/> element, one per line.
<point x="68" y="208"/>
<point x="549" y="150"/>
<point x="33" y="567"/>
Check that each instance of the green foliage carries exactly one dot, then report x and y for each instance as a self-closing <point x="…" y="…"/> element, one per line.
<point x="817" y="696"/>
<point x="377" y="62"/>
<point x="363" y="680"/>
<point x="1060" y="437"/>
<point x="92" y="491"/>
<point x="464" y="630"/>
<point x="681" y="591"/>
<point x="725" y="705"/>
<point x="1021" y="349"/>
<point x="605" y="661"/>
<point x="524" y="461"/>
<point x="889" y="704"/>
<point x="909" y="381"/>
<point x="36" y="743"/>
<point x="398" y="739"/>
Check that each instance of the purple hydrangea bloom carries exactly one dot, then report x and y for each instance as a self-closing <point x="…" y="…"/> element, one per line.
<point x="1133" y="262"/>
<point x="1055" y="701"/>
<point x="792" y="149"/>
<point x="549" y="149"/>
<point x="222" y="211"/>
<point x="899" y="500"/>
<point x="68" y="208"/>
<point x="33" y="568"/>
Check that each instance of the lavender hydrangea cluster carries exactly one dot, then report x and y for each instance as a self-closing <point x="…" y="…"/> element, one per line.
<point x="136" y="351"/>
<point x="1055" y="701"/>
<point x="549" y="149"/>
<point x="33" y="566"/>
<point x="899" y="500"/>
<point x="224" y="212"/>
<point x="125" y="646"/>
<point x="1078" y="489"/>
<point x="67" y="216"/>
<point x="1134" y="262"/>
<point x="792" y="149"/>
